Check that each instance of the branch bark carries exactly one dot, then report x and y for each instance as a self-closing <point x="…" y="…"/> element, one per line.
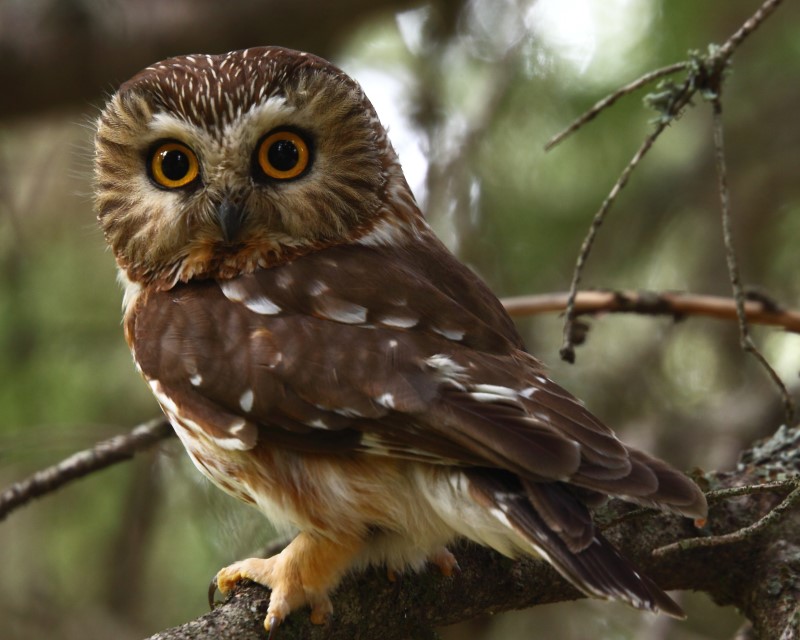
<point x="756" y="569"/>
<point x="679" y="305"/>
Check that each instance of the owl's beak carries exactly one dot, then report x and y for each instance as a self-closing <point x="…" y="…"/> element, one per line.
<point x="231" y="217"/>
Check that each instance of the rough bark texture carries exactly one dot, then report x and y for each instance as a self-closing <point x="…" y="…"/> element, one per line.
<point x="757" y="569"/>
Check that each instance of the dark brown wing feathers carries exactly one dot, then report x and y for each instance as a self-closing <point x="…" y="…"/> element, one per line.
<point x="415" y="352"/>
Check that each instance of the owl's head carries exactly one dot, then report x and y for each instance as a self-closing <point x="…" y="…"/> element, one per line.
<point x="210" y="166"/>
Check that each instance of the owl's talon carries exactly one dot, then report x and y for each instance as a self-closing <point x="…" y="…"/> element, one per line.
<point x="446" y="562"/>
<point x="271" y="624"/>
<point x="212" y="592"/>
<point x="322" y="611"/>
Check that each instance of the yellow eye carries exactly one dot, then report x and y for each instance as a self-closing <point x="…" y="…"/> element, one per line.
<point x="283" y="155"/>
<point x="173" y="165"/>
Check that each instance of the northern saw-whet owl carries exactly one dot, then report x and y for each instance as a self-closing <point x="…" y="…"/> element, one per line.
<point x="322" y="356"/>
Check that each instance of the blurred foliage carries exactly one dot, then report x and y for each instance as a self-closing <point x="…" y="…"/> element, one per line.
<point x="471" y="94"/>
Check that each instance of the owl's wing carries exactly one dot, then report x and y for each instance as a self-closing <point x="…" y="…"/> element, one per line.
<point x="394" y="352"/>
<point x="403" y="353"/>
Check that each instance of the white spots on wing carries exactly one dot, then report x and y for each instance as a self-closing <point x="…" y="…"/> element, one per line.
<point x="495" y="390"/>
<point x="386" y="400"/>
<point x="284" y="279"/>
<point x="233" y="290"/>
<point x="341" y="311"/>
<point x="236" y="429"/>
<point x="501" y="516"/>
<point x="163" y="399"/>
<point x="349" y="413"/>
<point x="317" y="288"/>
<point x="392" y="344"/>
<point x="447" y="369"/>
<point x="400" y="322"/>
<point x="246" y="401"/>
<point x="528" y="392"/>
<point x="451" y="334"/>
<point x="486" y="397"/>
<point x="373" y="444"/>
<point x="318" y="423"/>
<point x="445" y="365"/>
<point x="262" y="305"/>
<point x="196" y="379"/>
<point x="494" y="393"/>
<point x="236" y="291"/>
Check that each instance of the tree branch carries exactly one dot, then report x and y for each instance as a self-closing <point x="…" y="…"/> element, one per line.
<point x="704" y="75"/>
<point x="759" y="310"/>
<point x="732" y="553"/>
<point x="78" y="465"/>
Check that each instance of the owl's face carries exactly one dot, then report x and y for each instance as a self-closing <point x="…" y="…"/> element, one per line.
<point x="209" y="166"/>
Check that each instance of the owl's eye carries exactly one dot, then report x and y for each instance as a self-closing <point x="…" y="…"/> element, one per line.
<point x="173" y="165"/>
<point x="283" y="155"/>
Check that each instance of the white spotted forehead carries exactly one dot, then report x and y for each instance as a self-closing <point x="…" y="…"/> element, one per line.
<point x="245" y="127"/>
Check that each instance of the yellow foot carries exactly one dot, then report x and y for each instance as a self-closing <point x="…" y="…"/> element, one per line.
<point x="446" y="562"/>
<point x="302" y="574"/>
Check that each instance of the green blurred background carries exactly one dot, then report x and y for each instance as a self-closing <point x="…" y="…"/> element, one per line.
<point x="471" y="91"/>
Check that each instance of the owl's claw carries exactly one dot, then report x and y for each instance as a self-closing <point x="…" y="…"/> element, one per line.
<point x="212" y="591"/>
<point x="293" y="580"/>
<point x="446" y="562"/>
<point x="271" y="624"/>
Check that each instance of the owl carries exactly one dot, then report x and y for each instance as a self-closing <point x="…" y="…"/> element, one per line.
<point x="322" y="356"/>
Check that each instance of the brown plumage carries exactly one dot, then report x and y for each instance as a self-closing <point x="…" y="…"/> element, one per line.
<point x="322" y="355"/>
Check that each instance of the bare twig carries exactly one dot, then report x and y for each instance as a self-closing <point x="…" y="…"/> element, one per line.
<point x="610" y="99"/>
<point x="745" y="339"/>
<point x="675" y="304"/>
<point x="740" y="535"/>
<point x="704" y="72"/>
<point x="80" y="464"/>
<point x="568" y="348"/>
<point x="750" y="25"/>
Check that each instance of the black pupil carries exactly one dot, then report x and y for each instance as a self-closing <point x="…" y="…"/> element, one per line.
<point x="283" y="155"/>
<point x="174" y="164"/>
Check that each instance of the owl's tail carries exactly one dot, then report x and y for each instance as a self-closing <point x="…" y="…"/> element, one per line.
<point x="573" y="546"/>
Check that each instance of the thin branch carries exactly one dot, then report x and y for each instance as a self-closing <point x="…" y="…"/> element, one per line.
<point x="78" y="465"/>
<point x="740" y="535"/>
<point x="568" y="348"/>
<point x="745" y="339"/>
<point x="750" y="25"/>
<point x="703" y="73"/>
<point x="610" y="99"/>
<point x="675" y="304"/>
